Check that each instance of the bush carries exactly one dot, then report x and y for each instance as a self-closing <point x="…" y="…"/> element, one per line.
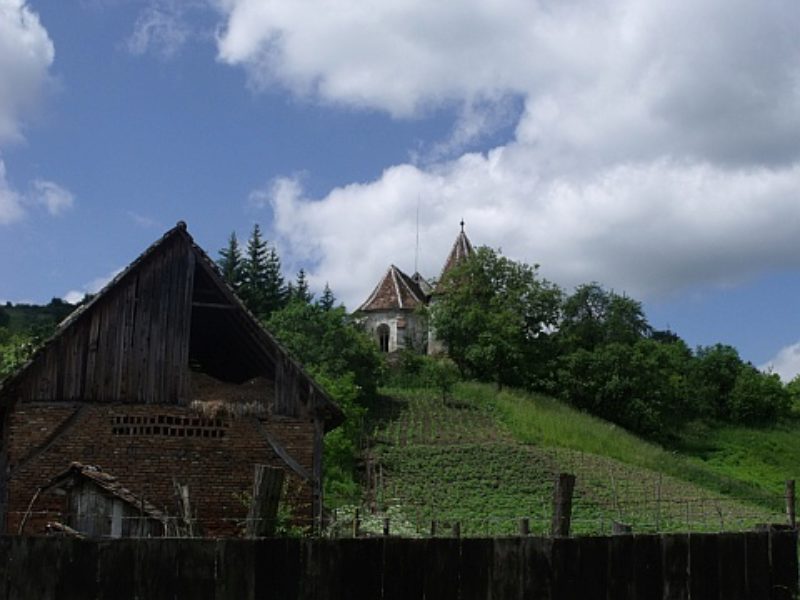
<point x="758" y="398"/>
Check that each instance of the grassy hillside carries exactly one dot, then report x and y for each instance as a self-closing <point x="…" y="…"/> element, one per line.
<point x="486" y="459"/>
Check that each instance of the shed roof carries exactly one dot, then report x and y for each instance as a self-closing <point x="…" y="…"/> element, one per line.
<point x="395" y="291"/>
<point x="107" y="483"/>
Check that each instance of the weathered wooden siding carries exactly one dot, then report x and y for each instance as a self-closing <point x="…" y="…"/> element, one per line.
<point x="132" y="346"/>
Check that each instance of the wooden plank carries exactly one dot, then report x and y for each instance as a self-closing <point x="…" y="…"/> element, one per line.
<point x="235" y="570"/>
<point x="566" y="568"/>
<point x="404" y="568"/>
<point x="757" y="574"/>
<point x="78" y="569"/>
<point x="321" y="578"/>
<point x="361" y="564"/>
<point x="621" y="580"/>
<point x="116" y="570"/>
<point x="647" y="566"/>
<point x="278" y="568"/>
<point x="675" y="550"/>
<point x="507" y="569"/>
<point x="196" y="569"/>
<point x="156" y="571"/>
<point x="704" y="568"/>
<point x="783" y="562"/>
<point x="35" y="569"/>
<point x="442" y="565"/>
<point x="536" y="568"/>
<point x="267" y="491"/>
<point x="477" y="560"/>
<point x="562" y="504"/>
<point x="593" y="581"/>
<point x="731" y="566"/>
<point x="5" y="565"/>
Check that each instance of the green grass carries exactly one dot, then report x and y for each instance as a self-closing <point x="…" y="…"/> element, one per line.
<point x="485" y="459"/>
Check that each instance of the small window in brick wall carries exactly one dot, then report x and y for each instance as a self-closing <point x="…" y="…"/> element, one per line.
<point x="167" y="425"/>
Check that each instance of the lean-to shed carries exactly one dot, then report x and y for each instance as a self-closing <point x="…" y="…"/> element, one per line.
<point x="164" y="378"/>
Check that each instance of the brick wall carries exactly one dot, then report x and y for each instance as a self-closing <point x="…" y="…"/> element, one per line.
<point x="146" y="448"/>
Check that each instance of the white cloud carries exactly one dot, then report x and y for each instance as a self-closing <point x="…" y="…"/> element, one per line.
<point x="657" y="148"/>
<point x="95" y="285"/>
<point x="51" y="196"/>
<point x="160" y="29"/>
<point x="26" y="53"/>
<point x="786" y="363"/>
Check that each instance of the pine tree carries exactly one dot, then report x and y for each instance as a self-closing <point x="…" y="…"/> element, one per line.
<point x="255" y="274"/>
<point x="275" y="292"/>
<point x="230" y="262"/>
<point x="326" y="300"/>
<point x="301" y="291"/>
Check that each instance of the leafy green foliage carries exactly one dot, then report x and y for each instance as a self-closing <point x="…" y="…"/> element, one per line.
<point x="346" y="363"/>
<point x="496" y="318"/>
<point x="230" y="262"/>
<point x="262" y="286"/>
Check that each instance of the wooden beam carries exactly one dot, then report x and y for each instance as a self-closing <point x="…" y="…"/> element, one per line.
<point x="213" y="305"/>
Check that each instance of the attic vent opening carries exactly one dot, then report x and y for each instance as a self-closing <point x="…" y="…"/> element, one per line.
<point x="222" y="343"/>
<point x="168" y="425"/>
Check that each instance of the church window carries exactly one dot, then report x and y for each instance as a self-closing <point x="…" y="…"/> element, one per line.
<point x="383" y="338"/>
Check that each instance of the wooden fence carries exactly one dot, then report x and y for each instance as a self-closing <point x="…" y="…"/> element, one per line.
<point x="729" y="566"/>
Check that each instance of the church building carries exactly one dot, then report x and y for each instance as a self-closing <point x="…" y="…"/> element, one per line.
<point x="392" y="313"/>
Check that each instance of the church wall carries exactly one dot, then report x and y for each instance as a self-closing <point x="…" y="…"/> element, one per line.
<point x="406" y="329"/>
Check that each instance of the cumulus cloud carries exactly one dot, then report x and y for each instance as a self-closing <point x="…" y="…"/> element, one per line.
<point x="656" y="147"/>
<point x="786" y="363"/>
<point x="92" y="287"/>
<point x="26" y="53"/>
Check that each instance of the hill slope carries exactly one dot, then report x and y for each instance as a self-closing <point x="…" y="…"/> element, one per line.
<point x="486" y="459"/>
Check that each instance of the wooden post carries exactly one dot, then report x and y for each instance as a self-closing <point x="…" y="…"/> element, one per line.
<point x="433" y="528"/>
<point x="356" y="524"/>
<point x="263" y="513"/>
<point x="562" y="504"/>
<point x="385" y="525"/>
<point x="790" y="504"/>
<point x="457" y="529"/>
<point x="524" y="527"/>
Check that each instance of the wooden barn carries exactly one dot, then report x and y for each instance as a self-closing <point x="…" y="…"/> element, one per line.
<point x="164" y="381"/>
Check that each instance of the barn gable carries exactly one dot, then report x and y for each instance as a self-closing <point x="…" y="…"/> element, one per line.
<point x="168" y="315"/>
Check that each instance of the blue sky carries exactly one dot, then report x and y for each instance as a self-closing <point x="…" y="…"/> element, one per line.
<point x="653" y="146"/>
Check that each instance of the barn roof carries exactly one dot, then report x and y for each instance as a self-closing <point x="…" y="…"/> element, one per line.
<point x="395" y="291"/>
<point x="461" y="250"/>
<point x="255" y="343"/>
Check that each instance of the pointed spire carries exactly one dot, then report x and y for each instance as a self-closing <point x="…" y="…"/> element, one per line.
<point x="461" y="250"/>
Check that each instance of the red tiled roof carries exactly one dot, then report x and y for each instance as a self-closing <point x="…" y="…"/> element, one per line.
<point x="462" y="249"/>
<point x="395" y="291"/>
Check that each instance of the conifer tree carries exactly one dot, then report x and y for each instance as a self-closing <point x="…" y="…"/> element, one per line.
<point x="301" y="291"/>
<point x="230" y="262"/>
<point x="255" y="274"/>
<point x="275" y="291"/>
<point x="326" y="300"/>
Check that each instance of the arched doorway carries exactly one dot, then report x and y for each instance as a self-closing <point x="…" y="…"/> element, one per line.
<point x="383" y="337"/>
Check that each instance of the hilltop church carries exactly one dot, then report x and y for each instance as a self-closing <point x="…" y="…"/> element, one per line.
<point x="391" y="312"/>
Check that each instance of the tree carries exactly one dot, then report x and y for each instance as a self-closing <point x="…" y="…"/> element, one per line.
<point x="713" y="376"/>
<point x="346" y="363"/>
<point x="301" y="291"/>
<point x="758" y="398"/>
<point x="327" y="300"/>
<point x="230" y="262"/>
<point x="593" y="316"/>
<point x="262" y="288"/>
<point x="254" y="273"/>
<point x="496" y="318"/>
<point x="642" y="386"/>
